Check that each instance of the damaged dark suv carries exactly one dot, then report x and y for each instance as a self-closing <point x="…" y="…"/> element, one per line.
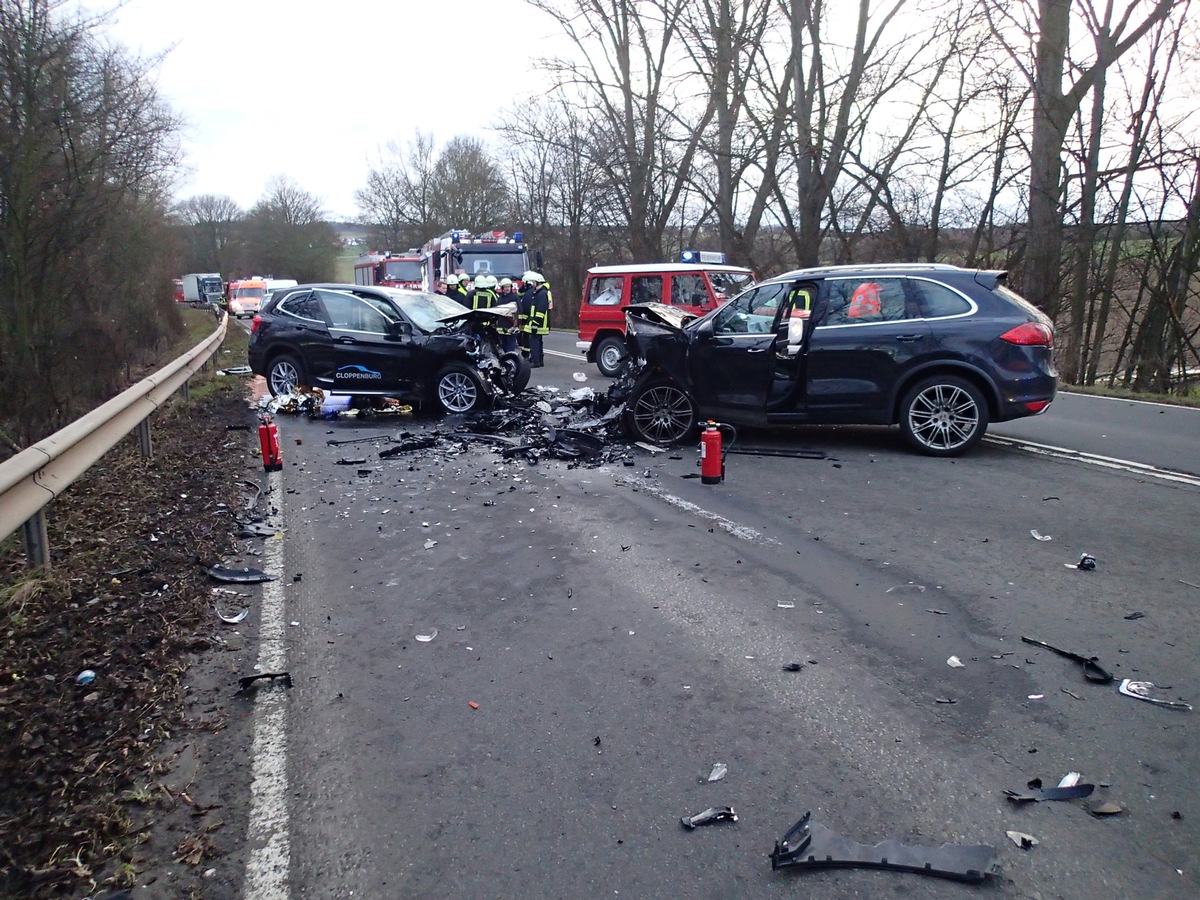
<point x="378" y="341"/>
<point x="938" y="350"/>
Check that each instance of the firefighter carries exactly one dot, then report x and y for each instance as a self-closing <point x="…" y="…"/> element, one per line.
<point x="504" y="291"/>
<point x="483" y="297"/>
<point x="535" y="304"/>
<point x="458" y="290"/>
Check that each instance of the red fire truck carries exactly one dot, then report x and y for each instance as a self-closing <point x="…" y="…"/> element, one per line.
<point x="490" y="253"/>
<point x="388" y="269"/>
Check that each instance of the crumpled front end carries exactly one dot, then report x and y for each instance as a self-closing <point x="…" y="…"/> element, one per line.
<point x="656" y="339"/>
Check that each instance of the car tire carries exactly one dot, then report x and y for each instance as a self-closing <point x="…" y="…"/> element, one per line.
<point x="660" y="413"/>
<point x="459" y="389"/>
<point x="943" y="416"/>
<point x="516" y="370"/>
<point x="284" y="373"/>
<point x="611" y="356"/>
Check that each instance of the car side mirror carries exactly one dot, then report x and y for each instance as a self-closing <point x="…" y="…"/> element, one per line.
<point x="705" y="330"/>
<point x="398" y="330"/>
<point x="793" y="331"/>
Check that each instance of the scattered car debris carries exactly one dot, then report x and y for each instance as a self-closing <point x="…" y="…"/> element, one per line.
<point x="351" y="461"/>
<point x="949" y="701"/>
<point x="955" y="663"/>
<point x="472" y="704"/>
<point x="1133" y="616"/>
<point x="909" y="587"/>
<point x="785" y="604"/>
<point x="238" y="576"/>
<point x="792" y="667"/>
<point x="235" y="370"/>
<point x="1037" y="696"/>
<point x="1022" y="840"/>
<point x="1144" y="690"/>
<point x="86" y="677"/>
<point x="406" y="444"/>
<point x="426" y="638"/>
<point x="248" y="680"/>
<point x="258" y="529"/>
<point x="1106" y="808"/>
<point x="719" y="771"/>
<point x="257" y="488"/>
<point x="812" y="846"/>
<point x="235" y="618"/>
<point x="1071" y="693"/>
<point x="781" y="452"/>
<point x="1038" y="795"/>
<point x="1087" y="563"/>
<point x="938" y="612"/>
<point x="1070" y="779"/>
<point x="430" y="544"/>
<point x="341" y="442"/>
<point x="1092" y="670"/>
<point x="1033" y="532"/>
<point x="708" y="817"/>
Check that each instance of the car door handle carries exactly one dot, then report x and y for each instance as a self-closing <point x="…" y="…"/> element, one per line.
<point x="757" y="350"/>
<point x="909" y="338"/>
<point x="346" y="340"/>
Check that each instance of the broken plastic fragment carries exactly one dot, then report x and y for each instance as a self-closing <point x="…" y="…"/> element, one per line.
<point x="784" y="604"/>
<point x="910" y="587"/>
<point x="1092" y="670"/>
<point x="235" y="618"/>
<point x="426" y="638"/>
<point x="1087" y="562"/>
<point x="1022" y="840"/>
<point x="1074" y="792"/>
<point x="579" y="376"/>
<point x="955" y="663"/>
<point x="708" y="817"/>
<point x="1143" y="690"/>
<point x="248" y="680"/>
<point x="1106" y="808"/>
<point x="238" y="576"/>
<point x="1070" y="779"/>
<point x="719" y="770"/>
<point x="814" y="846"/>
<point x="430" y="544"/>
<point x="792" y="667"/>
<point x="1134" y="616"/>
<point x="258" y="529"/>
<point x="1038" y="537"/>
<point x="87" y="676"/>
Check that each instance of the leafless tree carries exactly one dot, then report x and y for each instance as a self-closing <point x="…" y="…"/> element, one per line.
<point x="469" y="190"/>
<point x="400" y="195"/>
<point x="286" y="235"/>
<point x="213" y="222"/>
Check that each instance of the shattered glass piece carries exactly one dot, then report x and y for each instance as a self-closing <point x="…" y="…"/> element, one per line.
<point x="719" y="771"/>
<point x="1038" y="537"/>
<point x="238" y="576"/>
<point x="955" y="663"/>
<point x="1070" y="779"/>
<point x="1144" y="690"/>
<point x="426" y="638"/>
<point x="814" y="846"/>
<point x="235" y="618"/>
<point x="708" y="817"/>
<point x="1022" y="840"/>
<point x="909" y="587"/>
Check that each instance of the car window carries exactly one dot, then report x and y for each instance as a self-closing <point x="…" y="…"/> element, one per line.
<point x="606" y="291"/>
<point x="729" y="284"/>
<point x="753" y="312"/>
<point x="937" y="300"/>
<point x="855" y="301"/>
<point x="385" y="308"/>
<point x="688" y="290"/>
<point x="301" y="306"/>
<point x="646" y="289"/>
<point x="352" y="313"/>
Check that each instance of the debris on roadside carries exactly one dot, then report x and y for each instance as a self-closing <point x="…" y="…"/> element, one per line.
<point x="237" y="576"/>
<point x="86" y="677"/>
<point x="719" y="771"/>
<point x="955" y="663"/>
<point x="793" y="667"/>
<point x="1134" y="616"/>
<point x="1022" y="840"/>
<point x="909" y="587"/>
<point x="1087" y="563"/>
<point x="235" y="618"/>
<point x="1040" y="794"/>
<point x="1145" y="690"/>
<point x="708" y="817"/>
<point x="426" y="638"/>
<point x="247" y="681"/>
<point x="258" y="529"/>
<point x="236" y="370"/>
<point x="810" y="846"/>
<point x="1092" y="670"/>
<point x="1106" y="808"/>
<point x="1033" y="532"/>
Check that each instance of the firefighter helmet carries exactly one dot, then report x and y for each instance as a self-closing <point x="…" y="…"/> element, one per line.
<point x="480" y="282"/>
<point x="505" y="281"/>
<point x="491" y="282"/>
<point x="450" y="279"/>
<point x="534" y="277"/>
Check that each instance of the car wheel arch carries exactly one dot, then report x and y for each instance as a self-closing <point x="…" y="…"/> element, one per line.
<point x="971" y="373"/>
<point x="598" y="338"/>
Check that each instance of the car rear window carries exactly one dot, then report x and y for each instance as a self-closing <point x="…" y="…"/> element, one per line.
<point x="1013" y="297"/>
<point x="861" y="301"/>
<point x="938" y="301"/>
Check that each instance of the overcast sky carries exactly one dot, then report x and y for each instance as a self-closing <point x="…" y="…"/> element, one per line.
<point x="315" y="91"/>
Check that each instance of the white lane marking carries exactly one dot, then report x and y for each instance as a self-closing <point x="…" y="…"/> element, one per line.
<point x="579" y="357"/>
<point x="1092" y="459"/>
<point x="1131" y="400"/>
<point x="743" y="532"/>
<point x="267" y="867"/>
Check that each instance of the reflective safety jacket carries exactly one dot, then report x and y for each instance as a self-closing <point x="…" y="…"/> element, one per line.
<point x="534" y="311"/>
<point x="459" y="293"/>
<point x="483" y="298"/>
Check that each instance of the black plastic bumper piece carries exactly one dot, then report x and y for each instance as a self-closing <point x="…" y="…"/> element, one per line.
<point x="813" y="846"/>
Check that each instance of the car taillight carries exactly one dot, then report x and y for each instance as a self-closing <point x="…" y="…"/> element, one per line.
<point x="1036" y="406"/>
<point x="254" y="323"/>
<point x="1031" y="334"/>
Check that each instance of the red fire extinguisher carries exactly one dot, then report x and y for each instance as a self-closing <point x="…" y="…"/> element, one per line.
<point x="712" y="458"/>
<point x="268" y="440"/>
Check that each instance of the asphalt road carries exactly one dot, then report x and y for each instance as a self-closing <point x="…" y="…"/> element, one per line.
<point x="620" y="630"/>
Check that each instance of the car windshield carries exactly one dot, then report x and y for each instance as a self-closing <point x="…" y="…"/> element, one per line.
<point x="730" y="284"/>
<point x="425" y="310"/>
<point x="403" y="270"/>
<point x="242" y="293"/>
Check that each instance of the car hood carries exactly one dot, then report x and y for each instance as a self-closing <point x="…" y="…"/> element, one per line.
<point x="656" y="338"/>
<point x="484" y="316"/>
<point x="661" y="314"/>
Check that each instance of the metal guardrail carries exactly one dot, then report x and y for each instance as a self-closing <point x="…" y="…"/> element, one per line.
<point x="41" y="472"/>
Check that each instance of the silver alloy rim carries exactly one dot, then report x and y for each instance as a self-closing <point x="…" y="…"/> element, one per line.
<point x="610" y="356"/>
<point x="284" y="377"/>
<point x="457" y="391"/>
<point x="943" y="417"/>
<point x="663" y="414"/>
